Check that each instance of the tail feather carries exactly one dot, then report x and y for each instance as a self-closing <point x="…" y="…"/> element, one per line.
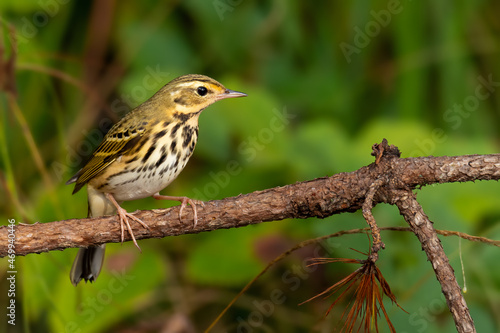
<point x="87" y="264"/>
<point x="88" y="261"/>
<point x="74" y="179"/>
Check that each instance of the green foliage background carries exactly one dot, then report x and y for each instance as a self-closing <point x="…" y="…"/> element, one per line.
<point x="349" y="75"/>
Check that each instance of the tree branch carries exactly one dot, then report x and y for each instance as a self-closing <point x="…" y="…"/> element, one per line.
<point x="322" y="197"/>
<point x="420" y="224"/>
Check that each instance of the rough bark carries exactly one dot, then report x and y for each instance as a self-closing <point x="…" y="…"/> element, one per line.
<point x="322" y="197"/>
<point x="420" y="224"/>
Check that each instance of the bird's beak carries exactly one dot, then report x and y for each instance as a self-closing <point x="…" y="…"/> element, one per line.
<point x="230" y="94"/>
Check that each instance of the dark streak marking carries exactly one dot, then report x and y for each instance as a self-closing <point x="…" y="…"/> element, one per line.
<point x="134" y="145"/>
<point x="159" y="135"/>
<point x="191" y="148"/>
<point x="162" y="158"/>
<point x="181" y="100"/>
<point x="162" y="171"/>
<point x="130" y="181"/>
<point x="118" y="174"/>
<point x="148" y="153"/>
<point x="183" y="117"/>
<point x="174" y="165"/>
<point x="173" y="134"/>
<point x="187" y="134"/>
<point x="135" y="158"/>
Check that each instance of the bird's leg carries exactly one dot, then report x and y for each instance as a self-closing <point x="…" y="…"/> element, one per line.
<point x="184" y="201"/>
<point x="124" y="216"/>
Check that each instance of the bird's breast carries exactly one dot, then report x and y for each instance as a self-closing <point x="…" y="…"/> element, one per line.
<point x="157" y="163"/>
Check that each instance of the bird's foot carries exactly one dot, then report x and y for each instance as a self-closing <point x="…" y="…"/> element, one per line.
<point x="183" y="201"/>
<point x="124" y="221"/>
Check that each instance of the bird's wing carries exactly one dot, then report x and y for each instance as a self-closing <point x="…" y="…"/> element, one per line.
<point x="116" y="143"/>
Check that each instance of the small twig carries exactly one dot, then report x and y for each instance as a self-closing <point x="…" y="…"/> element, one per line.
<point x="468" y="237"/>
<point x="337" y="234"/>
<point x="367" y="214"/>
<point x="378" y="152"/>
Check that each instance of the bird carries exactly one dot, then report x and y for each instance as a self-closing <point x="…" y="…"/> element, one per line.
<point x="141" y="155"/>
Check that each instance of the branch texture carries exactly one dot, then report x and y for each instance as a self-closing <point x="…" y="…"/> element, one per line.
<point x="420" y="224"/>
<point x="322" y="197"/>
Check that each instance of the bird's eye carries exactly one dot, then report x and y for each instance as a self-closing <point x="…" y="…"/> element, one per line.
<point x="202" y="91"/>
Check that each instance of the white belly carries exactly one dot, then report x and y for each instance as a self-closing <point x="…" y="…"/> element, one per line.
<point x="149" y="179"/>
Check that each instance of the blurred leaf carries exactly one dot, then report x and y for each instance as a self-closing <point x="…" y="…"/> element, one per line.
<point x="226" y="258"/>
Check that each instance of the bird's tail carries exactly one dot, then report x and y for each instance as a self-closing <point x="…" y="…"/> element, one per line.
<point x="88" y="261"/>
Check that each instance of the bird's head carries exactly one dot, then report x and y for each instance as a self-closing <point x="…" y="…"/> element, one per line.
<point x="190" y="94"/>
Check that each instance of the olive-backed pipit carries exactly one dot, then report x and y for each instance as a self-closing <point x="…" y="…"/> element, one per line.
<point x="141" y="155"/>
